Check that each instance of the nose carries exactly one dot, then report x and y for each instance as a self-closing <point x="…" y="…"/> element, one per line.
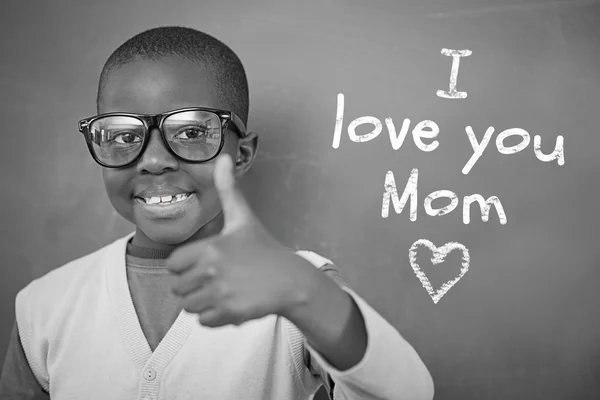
<point x="156" y="159"/>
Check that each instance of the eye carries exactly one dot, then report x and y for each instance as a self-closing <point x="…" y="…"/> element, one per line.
<point x="191" y="132"/>
<point x="126" y="137"/>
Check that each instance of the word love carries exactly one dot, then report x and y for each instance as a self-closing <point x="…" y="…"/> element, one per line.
<point x="428" y="129"/>
<point x="439" y="253"/>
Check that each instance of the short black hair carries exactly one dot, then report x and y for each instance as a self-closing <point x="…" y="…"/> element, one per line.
<point x="194" y="46"/>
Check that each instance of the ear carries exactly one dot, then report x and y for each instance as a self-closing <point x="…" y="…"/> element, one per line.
<point x="246" y="154"/>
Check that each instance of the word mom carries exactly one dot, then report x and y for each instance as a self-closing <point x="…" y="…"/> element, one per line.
<point x="410" y="192"/>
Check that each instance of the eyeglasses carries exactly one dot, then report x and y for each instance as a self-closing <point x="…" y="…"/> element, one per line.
<point x="195" y="135"/>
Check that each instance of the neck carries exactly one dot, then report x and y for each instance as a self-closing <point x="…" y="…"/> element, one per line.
<point x="211" y="228"/>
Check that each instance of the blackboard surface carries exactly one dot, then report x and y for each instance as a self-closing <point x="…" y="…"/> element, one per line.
<point x="523" y="321"/>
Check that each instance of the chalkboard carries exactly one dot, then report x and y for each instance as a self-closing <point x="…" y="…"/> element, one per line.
<point x="521" y="323"/>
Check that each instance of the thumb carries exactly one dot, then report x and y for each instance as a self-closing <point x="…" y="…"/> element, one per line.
<point x="236" y="210"/>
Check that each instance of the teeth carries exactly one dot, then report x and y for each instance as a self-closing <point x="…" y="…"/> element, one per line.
<point x="166" y="199"/>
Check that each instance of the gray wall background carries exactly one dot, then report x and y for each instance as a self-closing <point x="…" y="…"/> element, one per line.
<point x="521" y="324"/>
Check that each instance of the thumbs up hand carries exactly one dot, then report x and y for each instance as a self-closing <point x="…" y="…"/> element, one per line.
<point x="243" y="273"/>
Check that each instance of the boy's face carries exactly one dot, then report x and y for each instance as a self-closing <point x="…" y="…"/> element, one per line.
<point x="152" y="87"/>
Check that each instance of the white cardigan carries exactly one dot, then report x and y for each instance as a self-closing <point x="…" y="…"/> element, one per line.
<point x="82" y="339"/>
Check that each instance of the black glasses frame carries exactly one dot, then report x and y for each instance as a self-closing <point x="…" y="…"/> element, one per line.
<point x="157" y="120"/>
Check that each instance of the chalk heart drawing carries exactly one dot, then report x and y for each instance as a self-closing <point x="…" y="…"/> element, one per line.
<point x="439" y="253"/>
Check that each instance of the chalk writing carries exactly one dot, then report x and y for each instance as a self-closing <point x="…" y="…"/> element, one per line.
<point x="439" y="253"/>
<point x="428" y="129"/>
<point x="478" y="148"/>
<point x="425" y="129"/>
<point x="456" y="55"/>
<point x="390" y="192"/>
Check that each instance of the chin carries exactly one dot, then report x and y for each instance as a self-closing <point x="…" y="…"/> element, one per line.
<point x="176" y="225"/>
<point x="173" y="233"/>
<point x="167" y="235"/>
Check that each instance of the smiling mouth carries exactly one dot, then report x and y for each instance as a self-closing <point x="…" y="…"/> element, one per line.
<point x="165" y="200"/>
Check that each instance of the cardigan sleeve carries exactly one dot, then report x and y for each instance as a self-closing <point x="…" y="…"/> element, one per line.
<point x="314" y="367"/>
<point x="17" y="381"/>
<point x="390" y="367"/>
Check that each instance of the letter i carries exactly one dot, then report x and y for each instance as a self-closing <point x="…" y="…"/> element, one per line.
<point x="452" y="93"/>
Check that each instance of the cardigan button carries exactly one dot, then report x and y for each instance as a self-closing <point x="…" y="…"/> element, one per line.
<point x="150" y="374"/>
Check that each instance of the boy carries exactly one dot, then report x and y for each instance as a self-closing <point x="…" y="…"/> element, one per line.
<point x="200" y="302"/>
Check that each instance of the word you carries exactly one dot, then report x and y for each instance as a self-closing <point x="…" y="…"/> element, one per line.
<point x="439" y="253"/>
<point x="428" y="129"/>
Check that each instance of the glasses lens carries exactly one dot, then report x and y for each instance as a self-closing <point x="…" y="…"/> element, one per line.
<point x="117" y="140"/>
<point x="193" y="135"/>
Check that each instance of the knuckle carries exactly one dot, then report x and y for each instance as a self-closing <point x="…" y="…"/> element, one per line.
<point x="206" y="321"/>
<point x="189" y="308"/>
<point x="229" y="312"/>
<point x="238" y="313"/>
<point x="211" y="272"/>
<point x="236" y="318"/>
<point x="223" y="291"/>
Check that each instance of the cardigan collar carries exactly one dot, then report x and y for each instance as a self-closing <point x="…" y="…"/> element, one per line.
<point x="128" y="322"/>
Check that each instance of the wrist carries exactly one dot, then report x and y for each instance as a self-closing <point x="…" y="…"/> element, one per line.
<point x="304" y="291"/>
